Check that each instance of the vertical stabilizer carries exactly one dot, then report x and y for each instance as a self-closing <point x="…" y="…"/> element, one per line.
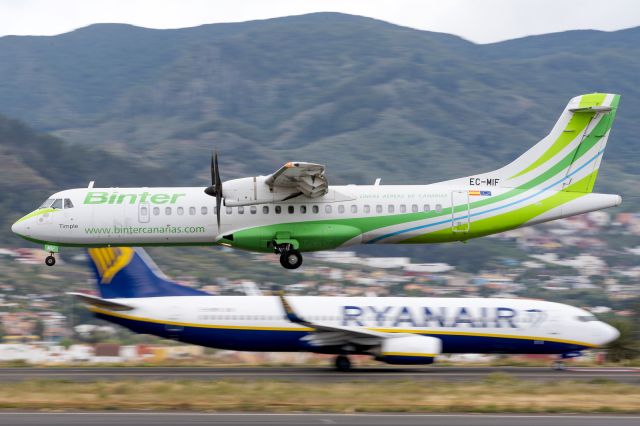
<point x="125" y="272"/>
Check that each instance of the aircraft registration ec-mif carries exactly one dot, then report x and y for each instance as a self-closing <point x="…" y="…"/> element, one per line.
<point x="295" y="210"/>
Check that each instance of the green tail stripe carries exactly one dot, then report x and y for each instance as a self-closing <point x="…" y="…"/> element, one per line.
<point x="576" y="126"/>
<point x="502" y="222"/>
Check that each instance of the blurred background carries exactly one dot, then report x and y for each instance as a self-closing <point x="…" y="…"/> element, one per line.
<point x="129" y="106"/>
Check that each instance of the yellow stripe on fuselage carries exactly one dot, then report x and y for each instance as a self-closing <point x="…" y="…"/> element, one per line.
<point x="300" y="328"/>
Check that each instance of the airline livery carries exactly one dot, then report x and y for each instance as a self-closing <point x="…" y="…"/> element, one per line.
<point x="394" y="330"/>
<point x="295" y="210"/>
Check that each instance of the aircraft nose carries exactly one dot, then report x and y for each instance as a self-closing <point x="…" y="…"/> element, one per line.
<point x="18" y="227"/>
<point x="607" y="333"/>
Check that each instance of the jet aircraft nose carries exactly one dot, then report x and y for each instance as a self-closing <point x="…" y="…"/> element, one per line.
<point x="605" y="333"/>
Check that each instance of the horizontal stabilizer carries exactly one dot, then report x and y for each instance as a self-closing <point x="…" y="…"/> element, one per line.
<point x="101" y="303"/>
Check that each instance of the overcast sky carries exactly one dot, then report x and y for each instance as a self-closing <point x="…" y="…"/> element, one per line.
<point x="481" y="21"/>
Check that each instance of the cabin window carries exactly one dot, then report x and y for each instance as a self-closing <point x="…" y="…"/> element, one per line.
<point x="438" y="208"/>
<point x="341" y="209"/>
<point x="414" y="208"/>
<point x="354" y="208"/>
<point x="180" y="211"/>
<point x="253" y="209"/>
<point x="265" y="209"/>
<point x="290" y="209"/>
<point x="68" y="204"/>
<point x="240" y="210"/>
<point x="203" y="210"/>
<point x="229" y="210"/>
<point x="57" y="204"/>
<point x="315" y="209"/>
<point x="366" y="208"/>
<point x="156" y="211"/>
<point x="192" y="211"/>
<point x="327" y="208"/>
<point x="427" y="207"/>
<point x="303" y="209"/>
<point x="278" y="209"/>
<point x="144" y="211"/>
<point x="391" y="208"/>
<point x="167" y="211"/>
<point x="378" y="208"/>
<point x="47" y="203"/>
<point x="403" y="208"/>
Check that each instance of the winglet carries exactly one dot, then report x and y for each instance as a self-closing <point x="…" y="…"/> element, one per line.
<point x="288" y="310"/>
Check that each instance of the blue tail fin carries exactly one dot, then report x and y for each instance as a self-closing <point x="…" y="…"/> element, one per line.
<point x="124" y="272"/>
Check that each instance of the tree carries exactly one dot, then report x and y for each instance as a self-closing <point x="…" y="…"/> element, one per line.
<point x="626" y="346"/>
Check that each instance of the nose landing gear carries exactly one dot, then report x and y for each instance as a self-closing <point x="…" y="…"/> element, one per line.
<point x="52" y="249"/>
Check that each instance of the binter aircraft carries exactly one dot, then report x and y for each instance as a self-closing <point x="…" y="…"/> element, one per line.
<point x="295" y="210"/>
<point x="394" y="330"/>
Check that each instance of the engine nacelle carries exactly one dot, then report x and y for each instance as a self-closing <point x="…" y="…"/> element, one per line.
<point x="410" y="350"/>
<point x="251" y="190"/>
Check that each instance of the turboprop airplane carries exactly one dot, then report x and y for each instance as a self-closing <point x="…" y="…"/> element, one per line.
<point x="395" y="330"/>
<point x="295" y="210"/>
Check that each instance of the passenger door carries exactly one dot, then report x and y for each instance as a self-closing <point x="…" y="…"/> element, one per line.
<point x="460" y="219"/>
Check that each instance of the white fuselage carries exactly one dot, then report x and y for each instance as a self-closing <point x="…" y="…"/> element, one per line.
<point x="473" y="325"/>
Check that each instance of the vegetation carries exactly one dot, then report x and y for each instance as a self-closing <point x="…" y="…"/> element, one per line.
<point x="496" y="393"/>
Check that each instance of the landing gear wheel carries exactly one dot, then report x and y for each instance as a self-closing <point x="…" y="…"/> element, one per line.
<point x="559" y="365"/>
<point x="291" y="259"/>
<point x="342" y="363"/>
<point x="50" y="260"/>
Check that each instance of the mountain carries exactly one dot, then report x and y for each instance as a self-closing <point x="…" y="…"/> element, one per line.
<point x="367" y="98"/>
<point x="35" y="165"/>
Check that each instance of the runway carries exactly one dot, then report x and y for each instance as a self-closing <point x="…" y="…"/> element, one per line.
<point x="315" y="374"/>
<point x="172" y="418"/>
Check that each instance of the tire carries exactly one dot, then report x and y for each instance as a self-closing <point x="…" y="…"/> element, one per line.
<point x="342" y="363"/>
<point x="291" y="259"/>
<point x="50" y="261"/>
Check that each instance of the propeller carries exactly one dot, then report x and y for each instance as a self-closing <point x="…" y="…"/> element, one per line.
<point x="215" y="190"/>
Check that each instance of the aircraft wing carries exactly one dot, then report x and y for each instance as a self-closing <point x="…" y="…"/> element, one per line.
<point x="306" y="178"/>
<point x="328" y="335"/>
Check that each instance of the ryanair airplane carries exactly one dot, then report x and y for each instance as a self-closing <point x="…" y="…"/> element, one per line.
<point x="395" y="330"/>
<point x="295" y="210"/>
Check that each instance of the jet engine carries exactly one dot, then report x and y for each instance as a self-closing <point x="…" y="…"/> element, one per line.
<point x="410" y="350"/>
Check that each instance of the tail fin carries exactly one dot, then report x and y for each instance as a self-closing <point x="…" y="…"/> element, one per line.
<point x="125" y="272"/>
<point x="568" y="158"/>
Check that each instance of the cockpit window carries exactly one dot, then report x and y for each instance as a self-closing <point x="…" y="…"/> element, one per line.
<point x="587" y="318"/>
<point x="68" y="204"/>
<point x="47" y="203"/>
<point x="57" y="204"/>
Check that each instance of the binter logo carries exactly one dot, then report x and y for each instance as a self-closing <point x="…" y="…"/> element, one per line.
<point x="100" y="197"/>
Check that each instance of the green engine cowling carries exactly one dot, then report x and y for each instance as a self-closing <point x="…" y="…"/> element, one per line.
<point x="304" y="236"/>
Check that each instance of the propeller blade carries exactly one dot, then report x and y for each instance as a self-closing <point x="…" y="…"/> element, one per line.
<point x="218" y="208"/>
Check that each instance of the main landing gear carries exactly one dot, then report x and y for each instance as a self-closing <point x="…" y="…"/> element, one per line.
<point x="342" y="363"/>
<point x="289" y="258"/>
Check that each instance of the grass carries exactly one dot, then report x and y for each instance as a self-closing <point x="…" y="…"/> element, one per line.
<point x="498" y="392"/>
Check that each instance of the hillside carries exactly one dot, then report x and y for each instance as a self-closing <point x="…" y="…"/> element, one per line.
<point x="34" y="165"/>
<point x="363" y="96"/>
